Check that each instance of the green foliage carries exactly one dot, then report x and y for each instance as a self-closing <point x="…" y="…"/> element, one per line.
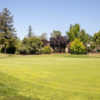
<point x="96" y="38"/>
<point x="23" y="50"/>
<point x="55" y="33"/>
<point x="96" y="41"/>
<point x="46" y="50"/>
<point x="9" y="43"/>
<point x="84" y="37"/>
<point x="7" y="32"/>
<point x="74" y="32"/>
<point x="30" y="45"/>
<point x="77" y="47"/>
<point x="43" y="38"/>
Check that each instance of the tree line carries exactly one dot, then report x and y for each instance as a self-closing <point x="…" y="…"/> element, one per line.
<point x="76" y="40"/>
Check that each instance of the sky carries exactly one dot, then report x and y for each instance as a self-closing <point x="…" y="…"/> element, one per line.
<point x="49" y="15"/>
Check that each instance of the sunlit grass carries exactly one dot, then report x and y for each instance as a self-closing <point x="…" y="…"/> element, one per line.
<point x="50" y="77"/>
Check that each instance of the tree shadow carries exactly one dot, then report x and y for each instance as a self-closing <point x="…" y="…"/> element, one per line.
<point x="10" y="92"/>
<point x="19" y="97"/>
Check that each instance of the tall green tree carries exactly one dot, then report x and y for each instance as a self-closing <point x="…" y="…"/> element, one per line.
<point x="74" y="32"/>
<point x="84" y="37"/>
<point x="30" y="33"/>
<point x="7" y="32"/>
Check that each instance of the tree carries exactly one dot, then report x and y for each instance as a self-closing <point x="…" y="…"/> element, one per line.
<point x="31" y="45"/>
<point x="77" y="47"/>
<point x="43" y="36"/>
<point x="55" y="33"/>
<point x="74" y="32"/>
<point x="58" y="42"/>
<point x="7" y="32"/>
<point x="44" y="39"/>
<point x="30" y="33"/>
<point x="96" y="40"/>
<point x="84" y="37"/>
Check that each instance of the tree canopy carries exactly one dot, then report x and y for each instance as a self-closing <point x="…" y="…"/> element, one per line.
<point x="7" y="32"/>
<point x="75" y="39"/>
<point x="58" y="42"/>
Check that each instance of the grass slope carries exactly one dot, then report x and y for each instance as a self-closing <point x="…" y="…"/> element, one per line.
<point x="49" y="77"/>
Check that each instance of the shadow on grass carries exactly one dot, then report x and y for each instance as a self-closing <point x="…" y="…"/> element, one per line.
<point x="17" y="98"/>
<point x="9" y="89"/>
<point x="80" y="56"/>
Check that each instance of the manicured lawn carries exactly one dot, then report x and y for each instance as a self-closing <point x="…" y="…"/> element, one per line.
<point x="49" y="77"/>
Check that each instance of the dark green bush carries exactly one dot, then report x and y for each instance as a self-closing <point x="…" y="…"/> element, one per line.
<point x="9" y="50"/>
<point x="98" y="50"/>
<point x="23" y="50"/>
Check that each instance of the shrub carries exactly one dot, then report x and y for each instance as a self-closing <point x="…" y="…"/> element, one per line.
<point x="58" y="43"/>
<point x="30" y="45"/>
<point x="77" y="47"/>
<point x="46" y="50"/>
<point x="23" y="50"/>
<point x="34" y="44"/>
<point x="9" y="50"/>
<point x="98" y="50"/>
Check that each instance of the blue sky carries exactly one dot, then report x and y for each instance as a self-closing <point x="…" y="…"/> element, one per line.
<point x="47" y="15"/>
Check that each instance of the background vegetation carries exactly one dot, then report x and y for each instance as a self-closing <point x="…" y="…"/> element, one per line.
<point x="57" y="43"/>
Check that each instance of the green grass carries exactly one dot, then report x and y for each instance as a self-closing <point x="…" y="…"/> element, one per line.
<point x="49" y="77"/>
